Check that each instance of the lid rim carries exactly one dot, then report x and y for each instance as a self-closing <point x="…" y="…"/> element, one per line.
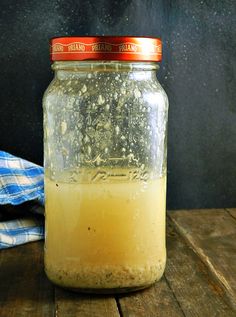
<point x="121" y="48"/>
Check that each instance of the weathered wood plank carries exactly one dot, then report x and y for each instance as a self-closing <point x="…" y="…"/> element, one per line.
<point x="189" y="289"/>
<point x="212" y="234"/>
<point x="156" y="301"/>
<point x="191" y="281"/>
<point x="69" y="304"/>
<point x="24" y="288"/>
<point x="232" y="212"/>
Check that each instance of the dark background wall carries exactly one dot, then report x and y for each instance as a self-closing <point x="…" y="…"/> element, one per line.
<point x="198" y="74"/>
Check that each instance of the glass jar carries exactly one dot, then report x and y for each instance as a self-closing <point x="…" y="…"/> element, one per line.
<point x="105" y="122"/>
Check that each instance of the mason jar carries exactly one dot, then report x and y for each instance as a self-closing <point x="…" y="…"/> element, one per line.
<point x="105" y="124"/>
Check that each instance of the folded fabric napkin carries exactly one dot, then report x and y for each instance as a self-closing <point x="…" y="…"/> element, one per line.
<point x="20" y="181"/>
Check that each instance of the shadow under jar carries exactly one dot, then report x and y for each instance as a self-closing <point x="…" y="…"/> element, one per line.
<point x="105" y="119"/>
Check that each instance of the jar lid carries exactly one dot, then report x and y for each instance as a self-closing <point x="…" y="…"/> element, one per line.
<point x="119" y="48"/>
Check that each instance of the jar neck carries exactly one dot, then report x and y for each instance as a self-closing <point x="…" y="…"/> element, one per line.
<point x="70" y="68"/>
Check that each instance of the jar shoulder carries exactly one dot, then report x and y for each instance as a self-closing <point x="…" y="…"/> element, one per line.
<point x="104" y="90"/>
<point x="153" y="94"/>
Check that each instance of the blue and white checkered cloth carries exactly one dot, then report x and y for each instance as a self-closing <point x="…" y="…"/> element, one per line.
<point x="20" y="181"/>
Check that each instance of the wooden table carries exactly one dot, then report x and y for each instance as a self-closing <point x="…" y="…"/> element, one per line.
<point x="199" y="280"/>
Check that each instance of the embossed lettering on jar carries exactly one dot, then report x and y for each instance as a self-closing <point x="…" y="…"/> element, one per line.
<point x="105" y="118"/>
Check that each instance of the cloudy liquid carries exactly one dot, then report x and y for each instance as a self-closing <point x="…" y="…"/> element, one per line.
<point x="105" y="235"/>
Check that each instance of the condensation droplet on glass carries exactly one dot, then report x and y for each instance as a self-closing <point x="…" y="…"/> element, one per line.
<point x="101" y="100"/>
<point x="84" y="89"/>
<point x="130" y="156"/>
<point x="117" y="129"/>
<point x="123" y="90"/>
<point x="63" y="127"/>
<point x="86" y="139"/>
<point x="137" y="93"/>
<point x="107" y="125"/>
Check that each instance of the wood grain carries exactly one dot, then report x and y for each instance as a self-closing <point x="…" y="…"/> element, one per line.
<point x="69" y="304"/>
<point x="212" y="234"/>
<point x="199" y="279"/>
<point x="189" y="279"/>
<point x="232" y="212"/>
<point x="156" y="301"/>
<point x="24" y="288"/>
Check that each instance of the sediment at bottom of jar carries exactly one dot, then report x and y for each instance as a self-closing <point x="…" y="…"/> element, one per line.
<point x="106" y="279"/>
